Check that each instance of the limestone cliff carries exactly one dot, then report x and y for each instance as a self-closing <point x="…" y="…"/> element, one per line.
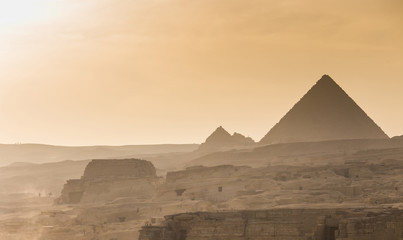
<point x="108" y="179"/>
<point x="125" y="168"/>
<point x="285" y="224"/>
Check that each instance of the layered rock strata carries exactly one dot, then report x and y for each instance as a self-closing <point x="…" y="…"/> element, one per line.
<point x="280" y="224"/>
<point x="108" y="179"/>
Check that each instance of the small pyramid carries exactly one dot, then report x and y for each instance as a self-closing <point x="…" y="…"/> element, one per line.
<point x="220" y="135"/>
<point x="220" y="139"/>
<point x="326" y="112"/>
<point x="239" y="139"/>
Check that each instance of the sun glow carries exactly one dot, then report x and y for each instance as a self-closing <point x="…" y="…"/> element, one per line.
<point x="15" y="13"/>
<point x="21" y="20"/>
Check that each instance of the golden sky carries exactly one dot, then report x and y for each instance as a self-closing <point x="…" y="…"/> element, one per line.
<point x="84" y="72"/>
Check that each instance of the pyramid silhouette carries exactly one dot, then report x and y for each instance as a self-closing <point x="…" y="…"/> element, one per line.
<point x="326" y="112"/>
<point x="220" y="138"/>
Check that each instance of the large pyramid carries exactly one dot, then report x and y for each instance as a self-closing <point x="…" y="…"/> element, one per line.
<point x="326" y="112"/>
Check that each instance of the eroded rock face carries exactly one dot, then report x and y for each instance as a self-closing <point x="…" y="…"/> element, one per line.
<point x="72" y="191"/>
<point x="284" y="224"/>
<point x="109" y="179"/>
<point x="346" y="179"/>
<point x="125" y="168"/>
<point x="200" y="172"/>
<point x="213" y="184"/>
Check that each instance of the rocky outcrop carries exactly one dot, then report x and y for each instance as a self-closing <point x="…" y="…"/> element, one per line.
<point x="211" y="184"/>
<point x="201" y="172"/>
<point x="326" y="112"/>
<point x="72" y="191"/>
<point x="220" y="139"/>
<point x="108" y="179"/>
<point x="126" y="168"/>
<point x="387" y="224"/>
<point x="338" y="179"/>
<point x="284" y="224"/>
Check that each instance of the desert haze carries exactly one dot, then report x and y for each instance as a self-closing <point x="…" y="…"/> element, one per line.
<point x="328" y="172"/>
<point x="201" y="120"/>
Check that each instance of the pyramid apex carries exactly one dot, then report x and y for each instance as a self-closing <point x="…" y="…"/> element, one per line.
<point x="220" y="130"/>
<point x="326" y="78"/>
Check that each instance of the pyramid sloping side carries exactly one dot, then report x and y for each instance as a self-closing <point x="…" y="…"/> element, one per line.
<point x="220" y="138"/>
<point x="326" y="112"/>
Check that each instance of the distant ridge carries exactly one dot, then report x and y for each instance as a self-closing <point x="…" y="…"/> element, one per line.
<point x="221" y="139"/>
<point x="21" y="164"/>
<point x="40" y="153"/>
<point x="326" y="112"/>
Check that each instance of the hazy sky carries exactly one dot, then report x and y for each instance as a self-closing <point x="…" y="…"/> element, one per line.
<point x="84" y="72"/>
